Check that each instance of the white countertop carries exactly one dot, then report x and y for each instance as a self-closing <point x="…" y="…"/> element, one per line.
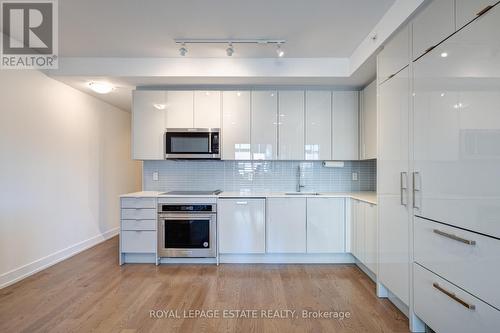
<point x="370" y="197"/>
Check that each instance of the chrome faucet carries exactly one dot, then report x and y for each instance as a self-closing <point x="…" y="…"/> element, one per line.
<point x="299" y="179"/>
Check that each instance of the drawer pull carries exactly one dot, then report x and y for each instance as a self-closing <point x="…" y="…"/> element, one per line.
<point x="453" y="296"/>
<point x="241" y="202"/>
<point x="451" y="236"/>
<point x="484" y="10"/>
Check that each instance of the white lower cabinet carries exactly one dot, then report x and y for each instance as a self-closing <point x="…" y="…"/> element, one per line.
<point x="286" y="225"/>
<point x="364" y="233"/>
<point x="446" y="308"/>
<point x="241" y="224"/>
<point x="371" y="236"/>
<point x="138" y="241"/>
<point x="325" y="225"/>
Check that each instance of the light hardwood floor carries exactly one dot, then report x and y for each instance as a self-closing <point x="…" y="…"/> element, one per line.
<point x="90" y="292"/>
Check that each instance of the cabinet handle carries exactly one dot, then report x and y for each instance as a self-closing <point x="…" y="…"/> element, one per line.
<point x="484" y="10"/>
<point x="453" y="296"/>
<point x="451" y="236"/>
<point x="391" y="76"/>
<point x="429" y="49"/>
<point x="415" y="189"/>
<point x="402" y="187"/>
<point x="241" y="202"/>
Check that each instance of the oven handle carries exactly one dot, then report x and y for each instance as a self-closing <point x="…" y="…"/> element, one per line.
<point x="186" y="216"/>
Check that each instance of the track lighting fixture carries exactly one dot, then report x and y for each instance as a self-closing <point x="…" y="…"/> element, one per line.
<point x="279" y="51"/>
<point x="230" y="50"/>
<point x="183" y="50"/>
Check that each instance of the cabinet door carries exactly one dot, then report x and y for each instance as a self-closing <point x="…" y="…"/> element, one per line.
<point x="360" y="232"/>
<point x="291" y="125"/>
<point x="457" y="129"/>
<point x="241" y="225"/>
<point x="345" y="125"/>
<point x="467" y="10"/>
<point x="395" y="55"/>
<point x="207" y="109"/>
<point x="179" y="109"/>
<point x="148" y="125"/>
<point x="368" y="122"/>
<point x="236" y="125"/>
<point x="264" y="127"/>
<point x="286" y="225"/>
<point x="370" y="258"/>
<point x="393" y="155"/>
<point x="432" y="25"/>
<point x="318" y="125"/>
<point x="325" y="225"/>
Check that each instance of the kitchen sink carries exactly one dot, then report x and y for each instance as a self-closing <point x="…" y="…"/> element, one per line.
<point x="301" y="193"/>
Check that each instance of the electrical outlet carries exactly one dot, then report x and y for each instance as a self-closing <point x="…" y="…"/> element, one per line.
<point x="155" y="175"/>
<point x="354" y="176"/>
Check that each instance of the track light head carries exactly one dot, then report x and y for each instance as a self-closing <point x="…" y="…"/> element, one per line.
<point x="279" y="51"/>
<point x="183" y="51"/>
<point x="230" y="50"/>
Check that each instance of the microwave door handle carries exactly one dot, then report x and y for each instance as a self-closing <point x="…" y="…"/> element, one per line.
<point x="210" y="138"/>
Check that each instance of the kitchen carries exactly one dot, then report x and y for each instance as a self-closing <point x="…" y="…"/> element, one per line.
<point x="256" y="184"/>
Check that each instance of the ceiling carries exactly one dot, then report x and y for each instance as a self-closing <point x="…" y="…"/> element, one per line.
<point x="131" y="28"/>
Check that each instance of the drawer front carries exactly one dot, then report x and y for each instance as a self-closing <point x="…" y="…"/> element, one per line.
<point x="473" y="267"/>
<point x="138" y="214"/>
<point x="138" y="241"/>
<point x="138" y="202"/>
<point x="139" y="224"/>
<point x="443" y="306"/>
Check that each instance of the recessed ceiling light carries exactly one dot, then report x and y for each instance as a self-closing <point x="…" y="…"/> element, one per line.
<point x="159" y="106"/>
<point x="230" y="50"/>
<point x="183" y="51"/>
<point x="101" y="87"/>
<point x="279" y="51"/>
<point x="444" y="54"/>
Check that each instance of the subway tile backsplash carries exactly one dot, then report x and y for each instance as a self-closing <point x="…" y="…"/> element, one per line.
<point x="258" y="176"/>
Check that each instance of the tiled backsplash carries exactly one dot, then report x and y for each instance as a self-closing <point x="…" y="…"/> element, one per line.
<point x="258" y="176"/>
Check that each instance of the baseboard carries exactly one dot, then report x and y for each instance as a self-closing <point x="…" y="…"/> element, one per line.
<point x="299" y="258"/>
<point x="15" y="275"/>
<point x="366" y="270"/>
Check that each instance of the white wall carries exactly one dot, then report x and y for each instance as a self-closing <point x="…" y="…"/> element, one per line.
<point x="64" y="159"/>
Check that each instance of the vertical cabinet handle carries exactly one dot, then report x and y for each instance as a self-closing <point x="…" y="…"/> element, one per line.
<point x="403" y="180"/>
<point x="415" y="177"/>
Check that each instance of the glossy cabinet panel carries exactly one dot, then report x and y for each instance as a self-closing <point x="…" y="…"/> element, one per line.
<point x="241" y="224"/>
<point x="467" y="10"/>
<point x="236" y="125"/>
<point x="393" y="156"/>
<point x="371" y="236"/>
<point x="345" y="125"/>
<point x="318" y="144"/>
<point x="179" y="109"/>
<point x="368" y="122"/>
<point x="148" y="125"/>
<point x="433" y="24"/>
<point x="457" y="129"/>
<point x="291" y="125"/>
<point x="394" y="56"/>
<point x="264" y="126"/>
<point x="207" y="109"/>
<point x="286" y="225"/>
<point x="325" y="225"/>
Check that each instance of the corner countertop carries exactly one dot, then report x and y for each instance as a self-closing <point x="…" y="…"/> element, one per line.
<point x="370" y="197"/>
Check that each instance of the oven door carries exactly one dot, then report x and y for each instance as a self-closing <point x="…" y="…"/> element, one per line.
<point x="191" y="144"/>
<point x="187" y="235"/>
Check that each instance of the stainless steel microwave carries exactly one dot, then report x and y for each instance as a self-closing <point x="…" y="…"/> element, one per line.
<point x="192" y="143"/>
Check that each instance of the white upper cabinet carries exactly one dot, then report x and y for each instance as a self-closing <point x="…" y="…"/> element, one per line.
<point x="325" y="225"/>
<point x="368" y="122"/>
<point x="236" y="125"/>
<point x="318" y="144"/>
<point x="148" y="125"/>
<point x="241" y="224"/>
<point x="433" y="24"/>
<point x="395" y="55"/>
<point x="286" y="225"/>
<point x="179" y="110"/>
<point x="291" y="125"/>
<point x="345" y="125"/>
<point x="467" y="10"/>
<point x="264" y="127"/>
<point x="207" y="109"/>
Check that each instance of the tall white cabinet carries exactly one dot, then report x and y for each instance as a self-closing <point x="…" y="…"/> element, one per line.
<point x="291" y="125"/>
<point x="264" y="136"/>
<point x="318" y="145"/>
<point x="236" y="115"/>
<point x="345" y="125"/>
